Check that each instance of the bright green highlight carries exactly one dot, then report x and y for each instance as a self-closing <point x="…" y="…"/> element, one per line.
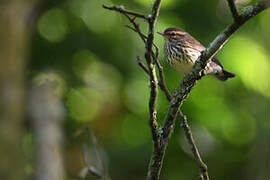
<point x="249" y="61"/>
<point x="210" y="106"/>
<point x="93" y="72"/>
<point x="96" y="18"/>
<point x="240" y="130"/>
<point x="84" y="104"/>
<point x="264" y="23"/>
<point x="84" y="62"/>
<point x="212" y="111"/>
<point x="53" y="25"/>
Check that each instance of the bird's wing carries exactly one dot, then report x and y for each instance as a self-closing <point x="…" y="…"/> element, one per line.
<point x="199" y="47"/>
<point x="193" y="43"/>
<point x="215" y="60"/>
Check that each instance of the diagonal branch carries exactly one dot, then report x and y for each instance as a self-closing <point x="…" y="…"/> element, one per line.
<point x="190" y="79"/>
<point x="136" y="28"/>
<point x="142" y="65"/>
<point x="162" y="136"/>
<point x="193" y="147"/>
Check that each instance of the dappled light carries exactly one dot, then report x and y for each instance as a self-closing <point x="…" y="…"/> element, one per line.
<point x="235" y="131"/>
<point x="71" y="67"/>
<point x="95" y="18"/>
<point x="251" y="62"/>
<point x="84" y="104"/>
<point x="53" y="25"/>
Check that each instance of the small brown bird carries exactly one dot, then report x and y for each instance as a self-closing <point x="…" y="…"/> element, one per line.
<point x="182" y="50"/>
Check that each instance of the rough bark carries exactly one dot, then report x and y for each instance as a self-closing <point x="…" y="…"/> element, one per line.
<point x="162" y="134"/>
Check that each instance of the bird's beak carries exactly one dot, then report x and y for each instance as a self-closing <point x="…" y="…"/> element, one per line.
<point x="161" y="33"/>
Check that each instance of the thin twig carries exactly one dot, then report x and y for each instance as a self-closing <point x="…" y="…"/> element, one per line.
<point x="193" y="147"/>
<point x="181" y="93"/>
<point x="148" y="40"/>
<point x="151" y="59"/>
<point x="136" y="28"/>
<point x="122" y="10"/>
<point x="143" y="37"/>
<point x="155" y="163"/>
<point x="161" y="136"/>
<point x="152" y="76"/>
<point x="162" y="83"/>
<point x="191" y="78"/>
<point x="142" y="65"/>
<point x="153" y="173"/>
<point x="233" y="9"/>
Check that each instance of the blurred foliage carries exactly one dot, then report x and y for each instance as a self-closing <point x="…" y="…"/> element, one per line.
<point x="92" y="56"/>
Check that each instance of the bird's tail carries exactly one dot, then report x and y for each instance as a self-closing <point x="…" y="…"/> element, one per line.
<point x="224" y="75"/>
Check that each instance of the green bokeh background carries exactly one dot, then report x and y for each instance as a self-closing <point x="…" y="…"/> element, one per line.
<point x="92" y="55"/>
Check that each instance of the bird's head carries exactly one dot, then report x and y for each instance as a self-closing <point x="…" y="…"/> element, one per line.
<point x="173" y="34"/>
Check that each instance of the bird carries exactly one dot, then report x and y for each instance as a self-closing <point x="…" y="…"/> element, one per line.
<point x="182" y="50"/>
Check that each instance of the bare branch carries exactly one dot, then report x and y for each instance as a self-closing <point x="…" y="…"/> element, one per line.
<point x="233" y="9"/>
<point x="152" y="21"/>
<point x="153" y="78"/>
<point x="136" y="29"/>
<point x="190" y="79"/>
<point x="150" y="66"/>
<point x="142" y="65"/>
<point x="158" y="154"/>
<point x="162" y="83"/>
<point x="155" y="163"/>
<point x="122" y="10"/>
<point x="193" y="147"/>
<point x="162" y="136"/>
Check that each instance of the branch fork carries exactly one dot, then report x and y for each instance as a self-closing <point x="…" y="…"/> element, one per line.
<point x="162" y="134"/>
